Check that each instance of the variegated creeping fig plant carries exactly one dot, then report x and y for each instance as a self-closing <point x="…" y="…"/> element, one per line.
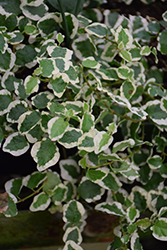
<point x="88" y="79"/>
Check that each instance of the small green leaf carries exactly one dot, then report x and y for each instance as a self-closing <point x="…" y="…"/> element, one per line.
<point x="69" y="170"/>
<point x="89" y="191"/>
<point x="73" y="234"/>
<point x="97" y="29"/>
<point x="28" y="121"/>
<point x="73" y="211"/>
<point x="31" y="84"/>
<point x="135" y="243"/>
<point x="5" y="99"/>
<point x="90" y="62"/>
<point x="52" y="180"/>
<point x="122" y="36"/>
<point x="16" y="144"/>
<point x="12" y="209"/>
<point x="34" y="180"/>
<point x="25" y="55"/>
<point x="14" y="186"/>
<point x="48" y="66"/>
<point x="162" y="42"/>
<point x="70" y="137"/>
<point x="160" y="229"/>
<point x="40" y="202"/>
<point x="121" y="146"/>
<point x="59" y="194"/>
<point x="45" y="153"/>
<point x="111" y="208"/>
<point x="60" y="38"/>
<point x="155" y="162"/>
<point x="57" y="127"/>
<point x="143" y="223"/>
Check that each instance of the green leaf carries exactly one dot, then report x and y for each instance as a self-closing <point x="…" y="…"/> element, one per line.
<point x="111" y="208"/>
<point x="31" y="84"/>
<point x="109" y="74"/>
<point x="72" y="234"/>
<point x="33" y="11"/>
<point x="97" y="174"/>
<point x="12" y="209"/>
<point x="139" y="198"/>
<point x="51" y="182"/>
<point x="126" y="55"/>
<point x="14" y="186"/>
<point x="87" y="122"/>
<point x="123" y="37"/>
<point x="71" y="191"/>
<point x="121" y="146"/>
<point x="70" y="138"/>
<point x="86" y="142"/>
<point x="57" y="51"/>
<point x="155" y="112"/>
<point x="16" y="109"/>
<point x="162" y="42"/>
<point x="127" y="89"/>
<point x="7" y="60"/>
<point x="109" y="52"/>
<point x="160" y="229"/>
<point x="25" y="55"/>
<point x="48" y="24"/>
<point x="89" y="191"/>
<point x="48" y="66"/>
<point x="102" y="141"/>
<point x="124" y="72"/>
<point x="16" y="37"/>
<point x="116" y="244"/>
<point x="143" y="223"/>
<point x="34" y="180"/>
<point x="5" y="99"/>
<point x="60" y="38"/>
<point x="145" y="51"/>
<point x="83" y="47"/>
<point x="69" y="170"/>
<point x="59" y="194"/>
<point x="135" y="243"/>
<point x="30" y="29"/>
<point x="28" y="121"/>
<point x="11" y="6"/>
<point x="40" y="202"/>
<point x="34" y="134"/>
<point x="3" y="43"/>
<point x="57" y="127"/>
<point x="110" y="182"/>
<point x="71" y="245"/>
<point x="58" y="85"/>
<point x="41" y="100"/>
<point x="97" y="29"/>
<point x="155" y="162"/>
<point x="45" y="153"/>
<point x="132" y="214"/>
<point x="16" y="144"/>
<point x="90" y="62"/>
<point x="9" y="81"/>
<point x="73" y="211"/>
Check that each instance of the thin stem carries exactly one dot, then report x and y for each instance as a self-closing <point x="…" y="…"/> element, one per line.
<point x="31" y="195"/>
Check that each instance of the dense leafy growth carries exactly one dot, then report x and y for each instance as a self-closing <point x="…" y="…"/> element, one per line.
<point x="87" y="79"/>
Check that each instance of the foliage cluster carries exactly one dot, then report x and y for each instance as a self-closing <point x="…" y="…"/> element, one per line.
<point x="87" y="79"/>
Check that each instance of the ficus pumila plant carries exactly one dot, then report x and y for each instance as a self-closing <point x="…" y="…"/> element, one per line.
<point x="87" y="79"/>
